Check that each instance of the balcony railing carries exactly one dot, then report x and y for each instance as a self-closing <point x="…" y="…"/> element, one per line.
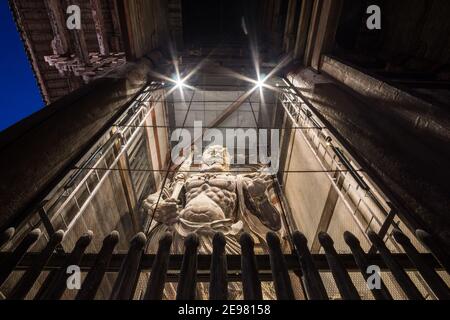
<point x="219" y="269"/>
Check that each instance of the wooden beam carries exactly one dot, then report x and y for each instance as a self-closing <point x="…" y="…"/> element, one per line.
<point x="176" y="22"/>
<point x="61" y="42"/>
<point x="328" y="211"/>
<point x="312" y="31"/>
<point x="303" y="29"/>
<point x="80" y="45"/>
<point x="30" y="45"/>
<point x="97" y="15"/>
<point x="141" y="35"/>
<point x="233" y="261"/>
<point x="276" y="29"/>
<point x="225" y="114"/>
<point x="328" y="16"/>
<point x="289" y="30"/>
<point x="385" y="228"/>
<point x="128" y="187"/>
<point x="115" y="41"/>
<point x="230" y="109"/>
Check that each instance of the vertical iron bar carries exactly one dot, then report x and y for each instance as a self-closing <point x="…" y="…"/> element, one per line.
<point x="6" y="236"/>
<point x="438" y="252"/>
<point x="186" y="289"/>
<point x="433" y="280"/>
<point x="157" y="281"/>
<point x="313" y="282"/>
<point x="58" y="284"/>
<point x="129" y="270"/>
<point x="280" y="274"/>
<point x="341" y="277"/>
<point x="397" y="271"/>
<point x="7" y="266"/>
<point x="27" y="281"/>
<point x="50" y="277"/>
<point x="95" y="276"/>
<point x="250" y="279"/>
<point x="361" y="260"/>
<point x="218" y="287"/>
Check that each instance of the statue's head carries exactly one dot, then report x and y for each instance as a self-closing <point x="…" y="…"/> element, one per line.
<point x="215" y="158"/>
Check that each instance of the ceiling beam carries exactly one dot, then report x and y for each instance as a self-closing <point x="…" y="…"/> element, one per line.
<point x="303" y="28"/>
<point x="102" y="37"/>
<point x="61" y="42"/>
<point x="290" y="28"/>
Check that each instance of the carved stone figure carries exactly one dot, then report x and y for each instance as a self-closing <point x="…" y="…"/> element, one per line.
<point x="210" y="199"/>
<point x="215" y="200"/>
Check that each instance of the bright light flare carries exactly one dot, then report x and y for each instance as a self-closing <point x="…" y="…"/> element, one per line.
<point x="261" y="82"/>
<point x="180" y="83"/>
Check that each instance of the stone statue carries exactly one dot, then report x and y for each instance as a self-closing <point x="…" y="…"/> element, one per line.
<point x="215" y="200"/>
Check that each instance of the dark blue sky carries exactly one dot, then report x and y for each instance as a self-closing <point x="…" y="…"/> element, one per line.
<point x="19" y="93"/>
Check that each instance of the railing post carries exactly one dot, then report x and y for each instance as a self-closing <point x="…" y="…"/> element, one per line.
<point x="157" y="281"/>
<point x="250" y="279"/>
<point x="27" y="281"/>
<point x="311" y="277"/>
<point x="341" y="277"/>
<point x="441" y="255"/>
<point x="397" y="271"/>
<point x="6" y="236"/>
<point x="218" y="286"/>
<point x="435" y="282"/>
<point x="280" y="274"/>
<point x="6" y="267"/>
<point x="361" y="260"/>
<point x="186" y="289"/>
<point x="55" y="287"/>
<point x="95" y="276"/>
<point x="128" y="276"/>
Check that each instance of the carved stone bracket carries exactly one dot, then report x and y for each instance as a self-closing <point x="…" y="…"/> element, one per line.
<point x="97" y="66"/>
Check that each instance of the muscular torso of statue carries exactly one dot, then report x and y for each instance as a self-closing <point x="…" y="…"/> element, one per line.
<point x="213" y="200"/>
<point x="210" y="197"/>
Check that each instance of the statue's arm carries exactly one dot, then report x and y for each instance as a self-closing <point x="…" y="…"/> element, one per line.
<point x="162" y="207"/>
<point x="258" y="203"/>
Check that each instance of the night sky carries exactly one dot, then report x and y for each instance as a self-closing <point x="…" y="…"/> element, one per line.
<point x="19" y="93"/>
